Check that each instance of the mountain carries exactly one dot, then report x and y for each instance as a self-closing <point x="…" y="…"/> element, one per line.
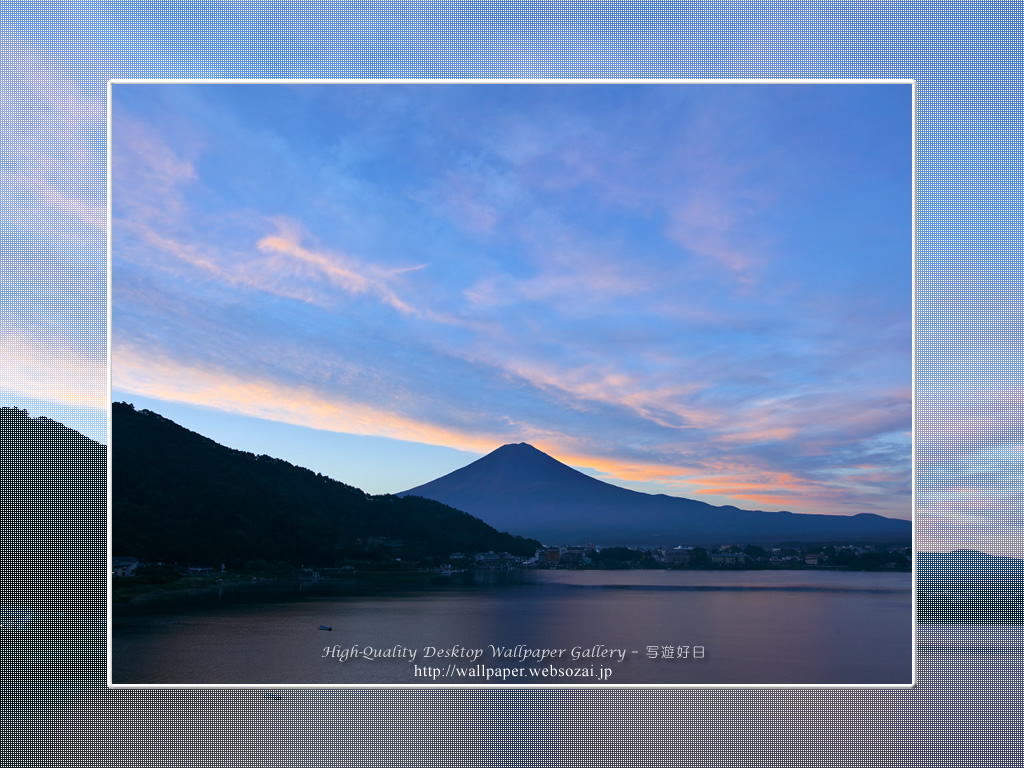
<point x="53" y="508"/>
<point x="970" y="587"/>
<point x="521" y="489"/>
<point x="968" y="568"/>
<point x="179" y="496"/>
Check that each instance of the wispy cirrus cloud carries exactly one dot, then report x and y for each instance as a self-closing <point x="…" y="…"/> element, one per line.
<point x="569" y="284"/>
<point x="53" y="146"/>
<point x="157" y="202"/>
<point x="340" y="270"/>
<point x="151" y="176"/>
<point x="711" y="229"/>
<point x="666" y="406"/>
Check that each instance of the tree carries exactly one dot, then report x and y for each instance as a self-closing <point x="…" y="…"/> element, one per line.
<point x="699" y="557"/>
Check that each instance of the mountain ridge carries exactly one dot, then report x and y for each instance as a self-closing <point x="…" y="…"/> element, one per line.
<point x="967" y="567"/>
<point x="180" y="496"/>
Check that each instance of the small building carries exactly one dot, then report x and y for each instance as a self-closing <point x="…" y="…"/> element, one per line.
<point x="572" y="557"/>
<point x="678" y="556"/>
<point x="727" y="558"/>
<point x="496" y="560"/>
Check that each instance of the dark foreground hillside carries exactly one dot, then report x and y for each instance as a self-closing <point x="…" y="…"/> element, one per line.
<point x="53" y="504"/>
<point x="181" y="497"/>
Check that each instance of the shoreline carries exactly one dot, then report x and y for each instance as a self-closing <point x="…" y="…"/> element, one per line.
<point x="196" y="587"/>
<point x="242" y="585"/>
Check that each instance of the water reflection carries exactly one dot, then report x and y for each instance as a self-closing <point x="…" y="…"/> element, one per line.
<point x="791" y="628"/>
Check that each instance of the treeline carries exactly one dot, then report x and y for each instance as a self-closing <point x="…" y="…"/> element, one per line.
<point x="878" y="557"/>
<point x="181" y="497"/>
<point x="625" y="557"/>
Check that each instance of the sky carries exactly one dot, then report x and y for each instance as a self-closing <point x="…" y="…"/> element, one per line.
<point x="692" y="289"/>
<point x="660" y="316"/>
<point x="53" y="225"/>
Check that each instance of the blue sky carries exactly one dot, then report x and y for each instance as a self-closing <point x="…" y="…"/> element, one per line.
<point x="53" y="288"/>
<point x="700" y="290"/>
<point x="53" y="277"/>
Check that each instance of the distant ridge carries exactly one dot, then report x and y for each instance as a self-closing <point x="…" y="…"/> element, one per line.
<point x="966" y="568"/>
<point x="523" y="490"/>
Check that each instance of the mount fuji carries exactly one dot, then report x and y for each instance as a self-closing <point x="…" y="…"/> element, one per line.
<point x="520" y="489"/>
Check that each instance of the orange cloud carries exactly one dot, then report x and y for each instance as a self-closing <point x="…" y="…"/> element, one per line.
<point x="618" y="389"/>
<point x="781" y="490"/>
<point x="340" y="270"/>
<point x="161" y="377"/>
<point x="53" y="368"/>
<point x="270" y="274"/>
<point x="632" y="471"/>
<point x="759" y="435"/>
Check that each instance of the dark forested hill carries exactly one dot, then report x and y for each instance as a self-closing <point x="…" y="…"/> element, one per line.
<point x="53" y="503"/>
<point x="179" y="496"/>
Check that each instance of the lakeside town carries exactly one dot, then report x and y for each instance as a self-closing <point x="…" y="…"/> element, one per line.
<point x="131" y="571"/>
<point x="970" y="601"/>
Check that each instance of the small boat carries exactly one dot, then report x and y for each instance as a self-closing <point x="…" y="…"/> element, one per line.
<point x="325" y="628"/>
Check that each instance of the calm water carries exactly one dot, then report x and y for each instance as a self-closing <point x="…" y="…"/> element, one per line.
<point x="965" y="711"/>
<point x="798" y="627"/>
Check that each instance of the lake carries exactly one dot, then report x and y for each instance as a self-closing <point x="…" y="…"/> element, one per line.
<point x="530" y="627"/>
<point x="965" y="711"/>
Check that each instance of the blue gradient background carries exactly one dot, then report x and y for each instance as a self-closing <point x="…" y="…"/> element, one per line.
<point x="965" y="58"/>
